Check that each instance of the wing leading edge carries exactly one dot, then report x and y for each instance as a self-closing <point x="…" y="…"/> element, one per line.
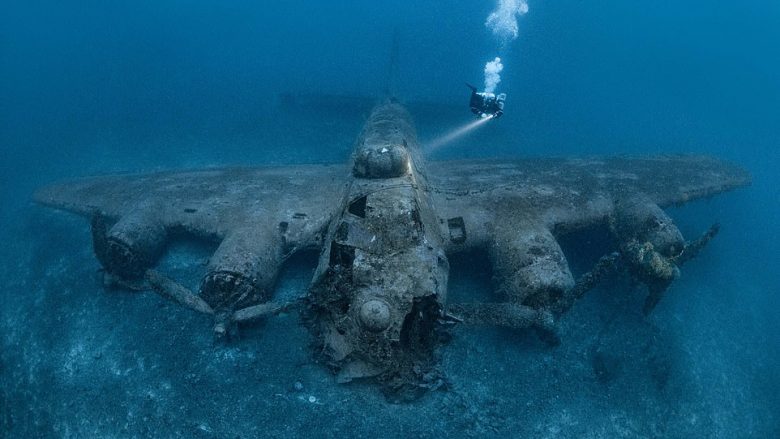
<point x="259" y="216"/>
<point x="515" y="209"/>
<point x="569" y="193"/>
<point x="210" y="203"/>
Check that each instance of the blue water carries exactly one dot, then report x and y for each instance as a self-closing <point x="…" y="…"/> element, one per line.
<point x="94" y="87"/>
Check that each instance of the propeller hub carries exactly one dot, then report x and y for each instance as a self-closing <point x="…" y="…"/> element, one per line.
<point x="375" y="315"/>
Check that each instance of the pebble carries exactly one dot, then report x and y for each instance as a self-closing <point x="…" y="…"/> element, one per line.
<point x="298" y="386"/>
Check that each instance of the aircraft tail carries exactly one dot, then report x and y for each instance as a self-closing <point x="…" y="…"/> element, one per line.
<point x="393" y="75"/>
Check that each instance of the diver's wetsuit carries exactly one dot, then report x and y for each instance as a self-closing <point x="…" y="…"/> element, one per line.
<point x="485" y="104"/>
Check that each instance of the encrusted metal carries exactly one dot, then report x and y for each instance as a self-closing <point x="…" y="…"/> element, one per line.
<point x="385" y="226"/>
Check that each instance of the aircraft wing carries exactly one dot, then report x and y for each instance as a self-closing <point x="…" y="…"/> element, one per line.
<point x="212" y="203"/>
<point x="513" y="208"/>
<point x="477" y="196"/>
<point x="557" y="193"/>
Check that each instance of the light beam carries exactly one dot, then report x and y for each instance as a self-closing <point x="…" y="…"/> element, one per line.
<point x="456" y="133"/>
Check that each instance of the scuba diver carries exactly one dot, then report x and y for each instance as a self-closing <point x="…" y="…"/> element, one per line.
<point x="485" y="104"/>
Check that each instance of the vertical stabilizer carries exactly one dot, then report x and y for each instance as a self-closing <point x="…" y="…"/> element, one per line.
<point x="393" y="75"/>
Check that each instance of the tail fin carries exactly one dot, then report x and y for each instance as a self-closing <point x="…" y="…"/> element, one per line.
<point x="473" y="89"/>
<point x="391" y="88"/>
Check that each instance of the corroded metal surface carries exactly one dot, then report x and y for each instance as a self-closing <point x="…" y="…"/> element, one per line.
<point x="385" y="224"/>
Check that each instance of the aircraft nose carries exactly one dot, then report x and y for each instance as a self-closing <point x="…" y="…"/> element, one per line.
<point x="375" y="315"/>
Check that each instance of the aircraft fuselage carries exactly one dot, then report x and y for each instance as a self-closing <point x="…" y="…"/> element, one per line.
<point x="381" y="282"/>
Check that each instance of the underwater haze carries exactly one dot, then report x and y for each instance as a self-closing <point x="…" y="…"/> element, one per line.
<point x="100" y="87"/>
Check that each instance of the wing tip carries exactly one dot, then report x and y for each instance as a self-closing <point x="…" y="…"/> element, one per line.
<point x="736" y="175"/>
<point x="65" y="196"/>
<point x="45" y="195"/>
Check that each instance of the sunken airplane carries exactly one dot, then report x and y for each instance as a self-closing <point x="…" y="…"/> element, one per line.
<point x="385" y="225"/>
